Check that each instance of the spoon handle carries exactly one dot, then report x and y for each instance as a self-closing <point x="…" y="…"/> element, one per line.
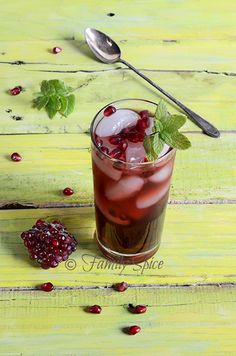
<point x="206" y="126"/>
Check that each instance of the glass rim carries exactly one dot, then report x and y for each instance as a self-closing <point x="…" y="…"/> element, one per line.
<point x="168" y="155"/>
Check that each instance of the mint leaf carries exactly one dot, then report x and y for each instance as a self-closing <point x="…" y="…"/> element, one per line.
<point x="158" y="126"/>
<point x="165" y="130"/>
<point x="158" y="144"/>
<point x="174" y="122"/>
<point x="40" y="102"/>
<point x="161" y="112"/>
<point x="70" y="105"/>
<point x="176" y="140"/>
<point x="45" y="88"/>
<point x="64" y="104"/>
<point x="148" y="146"/>
<point x="55" y="96"/>
<point x="53" y="106"/>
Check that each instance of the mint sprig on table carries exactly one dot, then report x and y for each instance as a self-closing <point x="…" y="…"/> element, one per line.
<point x="55" y="97"/>
<point x="165" y="130"/>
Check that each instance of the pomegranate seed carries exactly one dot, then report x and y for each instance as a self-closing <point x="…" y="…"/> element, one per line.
<point x="39" y="222"/>
<point x="56" y="50"/>
<point x="133" y="137"/>
<point x="145" y="159"/>
<point x="95" y="309"/>
<point x="16" y="157"/>
<point x="115" y="140"/>
<point x="141" y="136"/>
<point x="15" y="91"/>
<point x="143" y="124"/>
<point x="121" y="287"/>
<point x="123" y="146"/>
<point x="140" y="309"/>
<point x="105" y="150"/>
<point x="68" y="191"/>
<point x="55" y="243"/>
<point x="134" y="329"/>
<point x="98" y="141"/>
<point x="144" y="114"/>
<point x="116" y="153"/>
<point x="109" y="111"/>
<point x="124" y="132"/>
<point x="47" y="287"/>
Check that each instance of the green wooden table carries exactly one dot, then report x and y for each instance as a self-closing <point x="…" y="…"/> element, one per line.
<point x="189" y="48"/>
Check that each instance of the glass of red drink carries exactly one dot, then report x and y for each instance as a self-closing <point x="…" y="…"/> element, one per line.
<point x="130" y="192"/>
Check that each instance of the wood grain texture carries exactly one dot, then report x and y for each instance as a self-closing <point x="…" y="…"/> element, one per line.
<point x="197" y="247"/>
<point x="163" y="19"/>
<point x="178" y="320"/>
<point x="188" y="47"/>
<point x="52" y="162"/>
<point x="211" y="95"/>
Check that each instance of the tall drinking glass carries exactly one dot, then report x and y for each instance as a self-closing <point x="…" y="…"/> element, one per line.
<point x="130" y="197"/>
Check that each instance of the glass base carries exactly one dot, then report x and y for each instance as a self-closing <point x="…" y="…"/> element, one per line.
<point x="128" y="259"/>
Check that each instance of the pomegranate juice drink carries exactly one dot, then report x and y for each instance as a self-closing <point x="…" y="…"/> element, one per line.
<point x="130" y="187"/>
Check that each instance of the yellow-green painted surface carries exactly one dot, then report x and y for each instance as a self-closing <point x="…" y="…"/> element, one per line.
<point x="52" y="162"/>
<point x="188" y="47"/>
<point x="179" y="321"/>
<point x="197" y="247"/>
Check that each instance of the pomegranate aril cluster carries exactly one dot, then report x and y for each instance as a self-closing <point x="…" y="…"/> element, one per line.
<point x="132" y="134"/>
<point x="49" y="243"/>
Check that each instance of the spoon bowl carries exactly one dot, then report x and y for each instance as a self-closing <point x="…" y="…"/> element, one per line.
<point x="104" y="48"/>
<point x="107" y="51"/>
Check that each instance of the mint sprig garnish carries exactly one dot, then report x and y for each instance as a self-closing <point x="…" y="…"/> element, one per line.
<point x="165" y="130"/>
<point x="55" y="97"/>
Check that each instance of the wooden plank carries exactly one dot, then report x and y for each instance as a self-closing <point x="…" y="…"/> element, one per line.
<point x="178" y="320"/>
<point x="197" y="247"/>
<point x="157" y="19"/>
<point x="208" y="94"/>
<point x="52" y="162"/>
<point x="146" y="53"/>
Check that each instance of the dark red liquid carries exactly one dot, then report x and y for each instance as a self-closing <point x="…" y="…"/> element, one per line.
<point x="130" y="206"/>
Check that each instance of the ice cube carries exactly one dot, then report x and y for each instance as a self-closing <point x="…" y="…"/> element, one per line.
<point x="116" y="122"/>
<point x="125" y="188"/>
<point x="135" y="152"/>
<point x="162" y="174"/>
<point x="149" y="129"/>
<point x="151" y="196"/>
<point x="106" y="166"/>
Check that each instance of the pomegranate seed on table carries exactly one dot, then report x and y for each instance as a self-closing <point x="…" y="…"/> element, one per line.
<point x="68" y="191"/>
<point x="121" y="287"/>
<point x="140" y="309"/>
<point x="16" y="157"/>
<point x="56" y="50"/>
<point x="47" y="287"/>
<point x="15" y="91"/>
<point x="134" y="329"/>
<point x="95" y="309"/>
<point x="109" y="111"/>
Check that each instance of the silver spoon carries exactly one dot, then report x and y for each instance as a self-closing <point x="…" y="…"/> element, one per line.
<point x="108" y="51"/>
